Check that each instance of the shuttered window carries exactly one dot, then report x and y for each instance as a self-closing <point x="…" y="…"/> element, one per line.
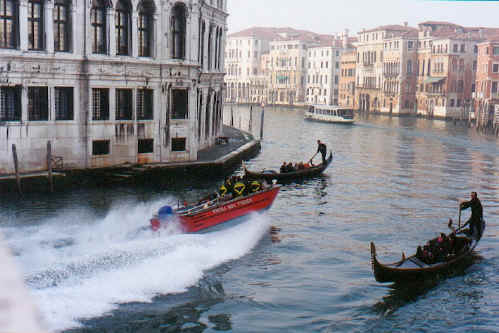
<point x="145" y="104"/>
<point x="100" y="104"/>
<point x="64" y="103"/>
<point x="10" y="104"/>
<point x="38" y="104"/>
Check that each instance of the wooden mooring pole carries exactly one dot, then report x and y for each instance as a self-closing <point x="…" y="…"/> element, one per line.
<point x="262" y="119"/>
<point x="16" y="167"/>
<point x="49" y="166"/>
<point x="250" y="126"/>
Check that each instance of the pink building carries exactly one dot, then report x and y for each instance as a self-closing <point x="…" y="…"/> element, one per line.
<point x="487" y="81"/>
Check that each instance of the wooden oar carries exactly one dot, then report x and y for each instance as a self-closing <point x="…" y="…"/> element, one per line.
<point x="459" y="215"/>
<point x="310" y="161"/>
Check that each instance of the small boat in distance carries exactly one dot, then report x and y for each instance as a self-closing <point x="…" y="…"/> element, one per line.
<point x="270" y="175"/>
<point x="413" y="268"/>
<point x="330" y="114"/>
<point x="215" y="210"/>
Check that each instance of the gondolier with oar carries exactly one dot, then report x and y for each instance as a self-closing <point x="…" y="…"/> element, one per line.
<point x="475" y="221"/>
<point x="321" y="148"/>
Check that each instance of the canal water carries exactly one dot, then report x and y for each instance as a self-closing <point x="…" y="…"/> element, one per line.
<point x="304" y="266"/>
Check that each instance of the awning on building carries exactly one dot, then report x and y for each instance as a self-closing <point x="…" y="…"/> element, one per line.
<point x="430" y="79"/>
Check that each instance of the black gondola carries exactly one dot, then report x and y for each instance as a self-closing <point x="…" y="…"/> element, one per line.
<point x="270" y="175"/>
<point x="412" y="268"/>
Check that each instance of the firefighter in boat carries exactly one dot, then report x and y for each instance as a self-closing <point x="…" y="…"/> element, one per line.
<point x="226" y="187"/>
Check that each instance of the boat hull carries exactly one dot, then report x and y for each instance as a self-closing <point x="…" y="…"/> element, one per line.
<point x="290" y="176"/>
<point x="402" y="272"/>
<point x="236" y="210"/>
<point x="329" y="119"/>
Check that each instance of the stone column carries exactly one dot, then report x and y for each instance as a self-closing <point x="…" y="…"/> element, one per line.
<point x="155" y="38"/>
<point x="48" y="25"/>
<point x="24" y="104"/>
<point x="133" y="47"/>
<point x="112" y="104"/>
<point x="111" y="39"/>
<point x="23" y="26"/>
<point x="77" y="25"/>
<point x="188" y="36"/>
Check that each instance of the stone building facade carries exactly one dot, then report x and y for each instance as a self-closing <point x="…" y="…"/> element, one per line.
<point x="399" y="73"/>
<point x="487" y="83"/>
<point x="288" y="72"/>
<point x="446" y="69"/>
<point x="133" y="81"/>
<point x="323" y="74"/>
<point x="242" y="65"/>
<point x="348" y="65"/>
<point x="372" y="69"/>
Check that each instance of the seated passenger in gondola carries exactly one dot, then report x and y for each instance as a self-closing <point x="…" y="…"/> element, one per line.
<point x="283" y="167"/>
<point x="291" y="168"/>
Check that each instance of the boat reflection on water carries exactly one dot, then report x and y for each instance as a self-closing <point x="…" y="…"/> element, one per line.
<point x="401" y="294"/>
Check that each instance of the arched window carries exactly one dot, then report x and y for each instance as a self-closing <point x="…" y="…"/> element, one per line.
<point x="9" y="24"/>
<point x="62" y="25"/>
<point x="210" y="48"/>
<point x="178" y="30"/>
<point x="35" y="25"/>
<point x="201" y="44"/>
<point x="98" y="26"/>
<point x="122" y="27"/>
<point x="207" y="117"/>
<point x="145" y="28"/>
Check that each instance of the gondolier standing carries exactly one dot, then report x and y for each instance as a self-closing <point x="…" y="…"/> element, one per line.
<point x="321" y="148"/>
<point x="476" y="214"/>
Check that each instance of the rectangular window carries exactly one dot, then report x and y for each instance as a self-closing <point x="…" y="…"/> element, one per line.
<point x="62" y="27"/>
<point x="495" y="68"/>
<point x="494" y="87"/>
<point x="38" y="104"/>
<point x="124" y="109"/>
<point x="146" y="146"/>
<point x="64" y="103"/>
<point x="10" y="104"/>
<point x="180" y="104"/>
<point x="455" y="48"/>
<point x="8" y="24"/>
<point x="452" y="102"/>
<point x="145" y="107"/>
<point x="460" y="86"/>
<point x="100" y="147"/>
<point x="35" y="25"/>
<point x="178" y="144"/>
<point x="100" y="104"/>
<point x="495" y="50"/>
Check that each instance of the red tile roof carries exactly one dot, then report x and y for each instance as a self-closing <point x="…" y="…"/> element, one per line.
<point x="282" y="34"/>
<point x="392" y="27"/>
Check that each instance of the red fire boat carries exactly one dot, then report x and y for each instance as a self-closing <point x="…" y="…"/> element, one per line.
<point x="210" y="213"/>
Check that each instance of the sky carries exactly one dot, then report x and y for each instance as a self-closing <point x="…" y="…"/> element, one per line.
<point x="332" y="16"/>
